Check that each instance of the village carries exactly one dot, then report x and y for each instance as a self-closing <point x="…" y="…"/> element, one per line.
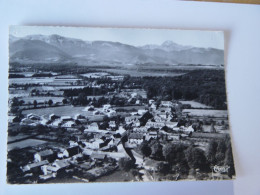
<point x="86" y="127"/>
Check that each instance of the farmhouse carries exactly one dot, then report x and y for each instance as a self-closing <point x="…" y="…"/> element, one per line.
<point x="166" y="103"/>
<point x="132" y="119"/>
<point x="112" y="124"/>
<point x="53" y="117"/>
<point x="135" y="138"/>
<point x="34" y="166"/>
<point x="69" y="152"/>
<point x="69" y="124"/>
<point x="12" y="119"/>
<point x="34" y="117"/>
<point x="93" y="126"/>
<point x="43" y="155"/>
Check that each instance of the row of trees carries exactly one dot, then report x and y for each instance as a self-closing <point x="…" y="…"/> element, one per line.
<point x="180" y="158"/>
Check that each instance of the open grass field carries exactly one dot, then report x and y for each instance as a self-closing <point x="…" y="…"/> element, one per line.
<point x="141" y="73"/>
<point x="202" y="112"/>
<point x="195" y="104"/>
<point x="41" y="99"/>
<point x="31" y="80"/>
<point x="60" y="111"/>
<point x="25" y="143"/>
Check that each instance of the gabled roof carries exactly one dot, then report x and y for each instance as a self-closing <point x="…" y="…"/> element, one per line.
<point x="136" y="136"/>
<point x="62" y="163"/>
<point x="45" y="153"/>
<point x="37" y="164"/>
<point x="98" y="156"/>
<point x="73" y="150"/>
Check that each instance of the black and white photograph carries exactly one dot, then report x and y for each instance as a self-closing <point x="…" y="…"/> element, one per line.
<point x="117" y="105"/>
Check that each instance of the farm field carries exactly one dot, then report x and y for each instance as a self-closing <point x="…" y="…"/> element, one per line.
<point x="129" y="107"/>
<point x="202" y="112"/>
<point x="195" y="104"/>
<point x="41" y="99"/>
<point x="25" y="143"/>
<point x="60" y="111"/>
<point x="141" y="73"/>
<point x="31" y="80"/>
<point x="17" y="137"/>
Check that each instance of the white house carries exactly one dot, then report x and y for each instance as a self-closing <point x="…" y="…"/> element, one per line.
<point x="135" y="138"/>
<point x="167" y="103"/>
<point x="69" y="124"/>
<point x="106" y="107"/>
<point x="112" y="124"/>
<point x="93" y="126"/>
<point x="42" y="155"/>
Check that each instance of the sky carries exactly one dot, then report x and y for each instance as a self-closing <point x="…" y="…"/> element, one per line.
<point x="131" y="36"/>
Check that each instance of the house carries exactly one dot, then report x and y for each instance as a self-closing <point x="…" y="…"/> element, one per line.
<point x="121" y="130"/>
<point x="34" y="166"/>
<point x="12" y="119"/>
<point x="79" y="116"/>
<point x="141" y="112"/>
<point x="140" y="129"/>
<point x="89" y="108"/>
<point x="106" y="107"/>
<point x="73" y="143"/>
<point x="34" y="117"/>
<point x="171" y="124"/>
<point x="110" y="113"/>
<point x="150" y="124"/>
<point x="132" y="119"/>
<point x="95" y="144"/>
<point x="189" y="129"/>
<point x="27" y="121"/>
<point x="60" y="164"/>
<point x="53" y="117"/>
<point x="93" y="126"/>
<point x="166" y="103"/>
<point x="43" y="155"/>
<point x="112" y="124"/>
<point x="153" y="134"/>
<point x="135" y="138"/>
<point x="69" y="152"/>
<point x="151" y="101"/>
<point x="56" y="123"/>
<point x="98" y="157"/>
<point x="69" y="124"/>
<point x="65" y="118"/>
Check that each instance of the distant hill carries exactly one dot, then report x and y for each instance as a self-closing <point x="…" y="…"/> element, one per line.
<point x="55" y="48"/>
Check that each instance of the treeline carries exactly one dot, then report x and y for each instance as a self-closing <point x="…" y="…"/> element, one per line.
<point x="204" y="86"/>
<point x="16" y="76"/>
<point x="185" y="159"/>
<point x="87" y="91"/>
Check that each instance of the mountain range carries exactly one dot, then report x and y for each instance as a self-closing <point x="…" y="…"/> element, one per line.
<point x="59" y="49"/>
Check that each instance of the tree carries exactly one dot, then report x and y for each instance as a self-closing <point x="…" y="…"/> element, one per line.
<point x="174" y="153"/>
<point x="145" y="149"/>
<point x="196" y="158"/>
<point x="35" y="103"/>
<point x="211" y="152"/>
<point x="64" y="101"/>
<point x="126" y="164"/>
<point x="229" y="161"/>
<point x="163" y="168"/>
<point x="50" y="102"/>
<point x="157" y="151"/>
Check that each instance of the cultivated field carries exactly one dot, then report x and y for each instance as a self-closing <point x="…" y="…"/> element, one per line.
<point x="25" y="143"/>
<point x="201" y="112"/>
<point x="41" y="99"/>
<point x="141" y="73"/>
<point x="60" y="111"/>
<point x="195" y="104"/>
